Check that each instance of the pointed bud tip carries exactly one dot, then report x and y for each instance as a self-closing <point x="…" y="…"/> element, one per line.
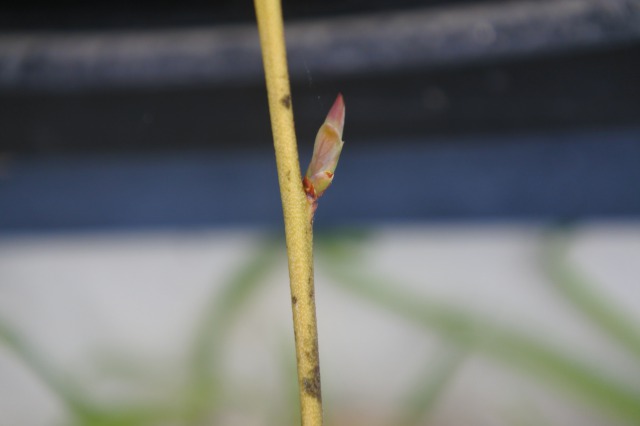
<point x="336" y="114"/>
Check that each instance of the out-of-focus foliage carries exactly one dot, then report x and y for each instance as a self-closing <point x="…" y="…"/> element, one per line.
<point x="462" y="333"/>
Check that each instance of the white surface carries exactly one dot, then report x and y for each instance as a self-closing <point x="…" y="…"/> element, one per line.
<point x="97" y="302"/>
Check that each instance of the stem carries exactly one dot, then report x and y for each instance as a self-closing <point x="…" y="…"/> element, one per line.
<point x="296" y="209"/>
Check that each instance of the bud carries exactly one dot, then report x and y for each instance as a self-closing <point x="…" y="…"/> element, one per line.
<point x="326" y="152"/>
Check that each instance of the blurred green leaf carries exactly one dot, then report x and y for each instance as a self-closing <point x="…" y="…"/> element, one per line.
<point x="287" y="414"/>
<point x="83" y="411"/>
<point x="136" y="415"/>
<point x="29" y="356"/>
<point x="475" y="333"/>
<point x="428" y="388"/>
<point x="582" y="294"/>
<point x="225" y="306"/>
<point x="344" y="244"/>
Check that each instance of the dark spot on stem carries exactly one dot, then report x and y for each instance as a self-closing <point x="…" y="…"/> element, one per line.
<point x="312" y="384"/>
<point x="286" y="101"/>
<point x="294" y="300"/>
<point x="311" y="288"/>
<point x="312" y="355"/>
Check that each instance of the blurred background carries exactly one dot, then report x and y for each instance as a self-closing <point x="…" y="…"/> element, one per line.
<point x="478" y="256"/>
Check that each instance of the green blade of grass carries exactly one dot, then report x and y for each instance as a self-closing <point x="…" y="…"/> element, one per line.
<point x="429" y="387"/>
<point x="582" y="294"/>
<point x="525" y="353"/>
<point x="205" y="369"/>
<point x="80" y="409"/>
<point x="218" y="319"/>
<point x="138" y="415"/>
<point x="286" y="414"/>
<point x="29" y="356"/>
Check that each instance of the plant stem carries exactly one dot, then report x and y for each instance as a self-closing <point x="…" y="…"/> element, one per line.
<point x="296" y="208"/>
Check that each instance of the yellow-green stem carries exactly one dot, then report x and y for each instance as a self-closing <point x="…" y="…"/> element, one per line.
<point x="296" y="208"/>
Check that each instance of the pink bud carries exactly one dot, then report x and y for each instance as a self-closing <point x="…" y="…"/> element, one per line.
<point x="326" y="151"/>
